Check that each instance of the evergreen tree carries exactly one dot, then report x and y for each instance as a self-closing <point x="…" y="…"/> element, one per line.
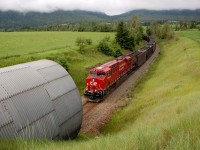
<point x="123" y="37"/>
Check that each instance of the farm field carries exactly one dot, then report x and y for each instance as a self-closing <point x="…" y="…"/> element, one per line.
<point x="21" y="43"/>
<point x="21" y="47"/>
<point x="164" y="108"/>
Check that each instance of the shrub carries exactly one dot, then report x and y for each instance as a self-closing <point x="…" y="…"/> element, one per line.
<point x="88" y="41"/>
<point x="82" y="42"/>
<point x="104" y="47"/>
<point x="106" y="38"/>
<point x="117" y="53"/>
<point x="60" y="59"/>
<point x="107" y="47"/>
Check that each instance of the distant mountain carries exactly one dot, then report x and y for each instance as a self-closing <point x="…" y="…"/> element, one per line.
<point x="160" y="15"/>
<point x="11" y="19"/>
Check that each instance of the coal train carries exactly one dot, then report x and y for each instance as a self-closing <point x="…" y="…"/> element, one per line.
<point x="103" y="78"/>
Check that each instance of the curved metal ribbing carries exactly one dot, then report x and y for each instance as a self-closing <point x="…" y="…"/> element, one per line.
<point x="38" y="100"/>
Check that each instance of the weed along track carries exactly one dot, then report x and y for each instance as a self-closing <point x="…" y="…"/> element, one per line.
<point x="95" y="115"/>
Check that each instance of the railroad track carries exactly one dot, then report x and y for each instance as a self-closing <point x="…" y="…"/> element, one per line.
<point x="88" y="106"/>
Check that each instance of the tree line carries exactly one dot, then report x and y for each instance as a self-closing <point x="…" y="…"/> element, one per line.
<point x="102" y="26"/>
<point x="79" y="27"/>
<point x="128" y="35"/>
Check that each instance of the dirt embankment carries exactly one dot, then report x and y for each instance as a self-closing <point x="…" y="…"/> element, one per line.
<point x="95" y="115"/>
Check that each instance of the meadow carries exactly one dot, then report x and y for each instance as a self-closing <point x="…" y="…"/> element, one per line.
<point x="163" y="110"/>
<point x="21" y="47"/>
<point x="22" y="43"/>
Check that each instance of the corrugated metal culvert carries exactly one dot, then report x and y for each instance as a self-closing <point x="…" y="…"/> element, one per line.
<point x="38" y="100"/>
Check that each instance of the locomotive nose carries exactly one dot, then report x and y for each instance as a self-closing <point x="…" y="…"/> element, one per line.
<point x="93" y="85"/>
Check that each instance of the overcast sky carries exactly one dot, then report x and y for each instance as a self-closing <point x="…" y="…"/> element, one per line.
<point x="110" y="7"/>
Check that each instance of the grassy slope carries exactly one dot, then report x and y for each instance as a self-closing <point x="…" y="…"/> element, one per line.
<point x="21" y="47"/>
<point x="165" y="108"/>
<point x="164" y="112"/>
<point x="191" y="34"/>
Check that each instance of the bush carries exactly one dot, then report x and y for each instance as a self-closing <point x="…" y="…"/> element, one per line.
<point x="88" y="41"/>
<point x="82" y="42"/>
<point x="60" y="59"/>
<point x="106" y="39"/>
<point x="117" y="53"/>
<point x="107" y="47"/>
<point x="104" y="47"/>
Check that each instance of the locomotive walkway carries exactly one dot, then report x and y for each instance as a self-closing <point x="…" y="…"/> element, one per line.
<point x="95" y="115"/>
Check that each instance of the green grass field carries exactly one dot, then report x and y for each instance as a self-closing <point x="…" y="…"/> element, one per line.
<point x="21" y="43"/>
<point x="194" y="35"/>
<point x="21" y="47"/>
<point x="164" y="111"/>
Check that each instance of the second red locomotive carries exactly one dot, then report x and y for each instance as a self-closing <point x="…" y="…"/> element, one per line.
<point x="104" y="77"/>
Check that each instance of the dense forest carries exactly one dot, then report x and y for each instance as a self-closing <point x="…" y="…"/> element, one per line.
<point x="17" y="20"/>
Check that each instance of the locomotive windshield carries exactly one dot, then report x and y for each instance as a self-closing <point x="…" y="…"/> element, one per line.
<point x="92" y="73"/>
<point x="101" y="73"/>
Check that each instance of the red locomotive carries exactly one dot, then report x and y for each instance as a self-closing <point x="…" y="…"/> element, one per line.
<point x="104" y="77"/>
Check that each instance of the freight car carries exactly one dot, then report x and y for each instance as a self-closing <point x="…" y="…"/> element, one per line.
<point x="103" y="78"/>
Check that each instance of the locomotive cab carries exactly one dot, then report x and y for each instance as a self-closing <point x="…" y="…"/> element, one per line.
<point x="95" y="83"/>
<point x="101" y="79"/>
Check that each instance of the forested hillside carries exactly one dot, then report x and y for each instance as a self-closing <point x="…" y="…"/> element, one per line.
<point x="11" y="19"/>
<point x="162" y="15"/>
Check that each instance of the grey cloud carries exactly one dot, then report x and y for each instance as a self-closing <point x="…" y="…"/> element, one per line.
<point x="111" y="7"/>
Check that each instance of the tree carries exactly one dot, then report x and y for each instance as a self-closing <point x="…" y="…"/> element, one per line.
<point x="162" y="32"/>
<point x="193" y="24"/>
<point x="123" y="37"/>
<point x="154" y="29"/>
<point x="136" y="29"/>
<point x="166" y="31"/>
